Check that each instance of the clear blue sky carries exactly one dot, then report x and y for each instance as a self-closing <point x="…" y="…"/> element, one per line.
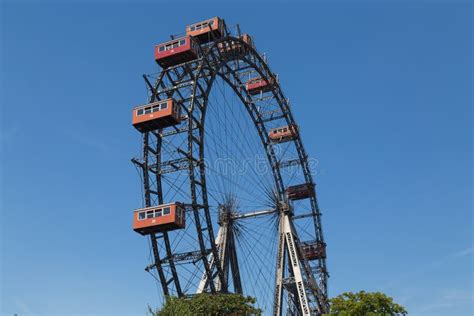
<point x="383" y="94"/>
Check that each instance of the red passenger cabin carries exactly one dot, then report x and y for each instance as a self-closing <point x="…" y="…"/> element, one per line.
<point x="235" y="49"/>
<point x="175" y="52"/>
<point x="300" y="191"/>
<point x="257" y="85"/>
<point x="283" y="134"/>
<point x="206" y="31"/>
<point x="161" y="218"/>
<point x="156" y="115"/>
<point x="313" y="250"/>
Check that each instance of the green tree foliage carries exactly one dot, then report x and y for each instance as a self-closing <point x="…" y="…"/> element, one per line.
<point x="208" y="304"/>
<point x="365" y="304"/>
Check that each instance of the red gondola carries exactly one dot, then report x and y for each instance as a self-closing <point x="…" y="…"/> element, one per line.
<point x="175" y="52"/>
<point x="154" y="219"/>
<point x="235" y="49"/>
<point x="206" y="31"/>
<point x="160" y="114"/>
<point x="257" y="85"/>
<point x="313" y="250"/>
<point x="300" y="191"/>
<point x="283" y="134"/>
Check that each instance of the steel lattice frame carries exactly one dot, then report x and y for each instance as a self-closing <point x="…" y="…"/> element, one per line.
<point x="190" y="84"/>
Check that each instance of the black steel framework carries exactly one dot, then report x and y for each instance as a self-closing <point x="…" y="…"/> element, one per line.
<point x="190" y="84"/>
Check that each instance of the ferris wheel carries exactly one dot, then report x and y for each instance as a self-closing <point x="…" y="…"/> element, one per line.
<point x="229" y="200"/>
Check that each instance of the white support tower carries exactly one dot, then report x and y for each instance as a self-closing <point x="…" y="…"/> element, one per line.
<point x="294" y="282"/>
